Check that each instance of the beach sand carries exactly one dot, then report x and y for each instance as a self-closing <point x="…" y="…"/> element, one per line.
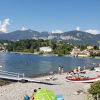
<point x="16" y="91"/>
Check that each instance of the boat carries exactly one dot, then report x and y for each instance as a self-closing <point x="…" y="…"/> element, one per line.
<point x="84" y="79"/>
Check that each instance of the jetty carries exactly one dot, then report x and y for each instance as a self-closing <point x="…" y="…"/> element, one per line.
<point x="20" y="77"/>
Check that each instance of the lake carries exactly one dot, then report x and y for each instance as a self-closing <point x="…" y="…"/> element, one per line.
<point x="31" y="64"/>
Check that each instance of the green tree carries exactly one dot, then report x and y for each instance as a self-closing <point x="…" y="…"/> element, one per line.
<point x="95" y="89"/>
<point x="96" y="48"/>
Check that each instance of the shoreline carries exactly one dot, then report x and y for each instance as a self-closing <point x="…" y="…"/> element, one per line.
<point x="29" y="53"/>
<point x="4" y="82"/>
<point x="67" y="89"/>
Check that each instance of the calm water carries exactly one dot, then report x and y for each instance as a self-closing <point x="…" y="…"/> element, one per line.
<point x="38" y="64"/>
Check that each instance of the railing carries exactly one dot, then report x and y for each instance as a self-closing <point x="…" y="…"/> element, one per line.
<point x="18" y="76"/>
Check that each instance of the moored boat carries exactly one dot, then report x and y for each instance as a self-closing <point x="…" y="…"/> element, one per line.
<point x="83" y="79"/>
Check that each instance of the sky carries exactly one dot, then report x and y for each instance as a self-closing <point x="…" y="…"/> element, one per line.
<point x="50" y="15"/>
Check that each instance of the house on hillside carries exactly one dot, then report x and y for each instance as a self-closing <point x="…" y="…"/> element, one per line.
<point x="75" y="51"/>
<point x="78" y="52"/>
<point x="84" y="53"/>
<point x="2" y="48"/>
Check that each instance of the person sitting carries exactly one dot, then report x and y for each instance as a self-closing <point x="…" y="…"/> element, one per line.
<point x="75" y="71"/>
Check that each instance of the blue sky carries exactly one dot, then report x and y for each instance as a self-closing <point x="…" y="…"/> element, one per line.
<point x="48" y="15"/>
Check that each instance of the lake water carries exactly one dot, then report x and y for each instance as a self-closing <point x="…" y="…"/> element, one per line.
<point x="30" y="64"/>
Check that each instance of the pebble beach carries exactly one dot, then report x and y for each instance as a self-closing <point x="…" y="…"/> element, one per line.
<point x="17" y="90"/>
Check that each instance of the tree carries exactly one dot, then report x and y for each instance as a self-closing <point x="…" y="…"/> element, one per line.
<point x="96" y="48"/>
<point x="95" y="89"/>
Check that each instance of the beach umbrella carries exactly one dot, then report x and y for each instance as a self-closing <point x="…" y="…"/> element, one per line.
<point x="44" y="94"/>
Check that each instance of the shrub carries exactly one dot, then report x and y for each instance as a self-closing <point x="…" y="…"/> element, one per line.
<point x="95" y="89"/>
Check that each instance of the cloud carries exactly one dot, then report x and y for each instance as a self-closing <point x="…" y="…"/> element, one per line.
<point x="23" y="28"/>
<point x="93" y="31"/>
<point x="4" y="24"/>
<point x="57" y="31"/>
<point x="77" y="28"/>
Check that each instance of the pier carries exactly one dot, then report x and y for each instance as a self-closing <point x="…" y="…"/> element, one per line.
<point x="20" y="77"/>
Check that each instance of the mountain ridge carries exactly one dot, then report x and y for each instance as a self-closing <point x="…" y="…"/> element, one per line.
<point x="74" y="36"/>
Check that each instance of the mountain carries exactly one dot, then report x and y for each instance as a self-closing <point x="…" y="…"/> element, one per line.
<point x="97" y="38"/>
<point x="80" y="37"/>
<point x="19" y="35"/>
<point x="77" y="37"/>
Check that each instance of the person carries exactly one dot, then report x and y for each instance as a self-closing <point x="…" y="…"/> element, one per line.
<point x="75" y="71"/>
<point x="84" y="68"/>
<point x="59" y="70"/>
<point x="78" y="69"/>
<point x="62" y="70"/>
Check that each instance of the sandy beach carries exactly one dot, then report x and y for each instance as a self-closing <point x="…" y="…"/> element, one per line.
<point x="16" y="91"/>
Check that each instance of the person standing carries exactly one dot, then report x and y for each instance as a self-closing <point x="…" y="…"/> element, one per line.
<point x="59" y="70"/>
<point x="62" y="70"/>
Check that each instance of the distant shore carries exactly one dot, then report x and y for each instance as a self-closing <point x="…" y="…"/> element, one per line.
<point x="53" y="55"/>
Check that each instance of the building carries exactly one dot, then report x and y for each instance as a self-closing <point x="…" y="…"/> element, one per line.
<point x="78" y="52"/>
<point x="75" y="51"/>
<point x="2" y="48"/>
<point x="5" y="44"/>
<point x="90" y="47"/>
<point x="45" y="49"/>
<point x="99" y="47"/>
<point x="84" y="53"/>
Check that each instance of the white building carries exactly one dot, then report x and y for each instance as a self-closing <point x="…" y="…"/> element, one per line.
<point x="5" y="44"/>
<point x="90" y="47"/>
<point x="45" y="49"/>
<point x="99" y="47"/>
